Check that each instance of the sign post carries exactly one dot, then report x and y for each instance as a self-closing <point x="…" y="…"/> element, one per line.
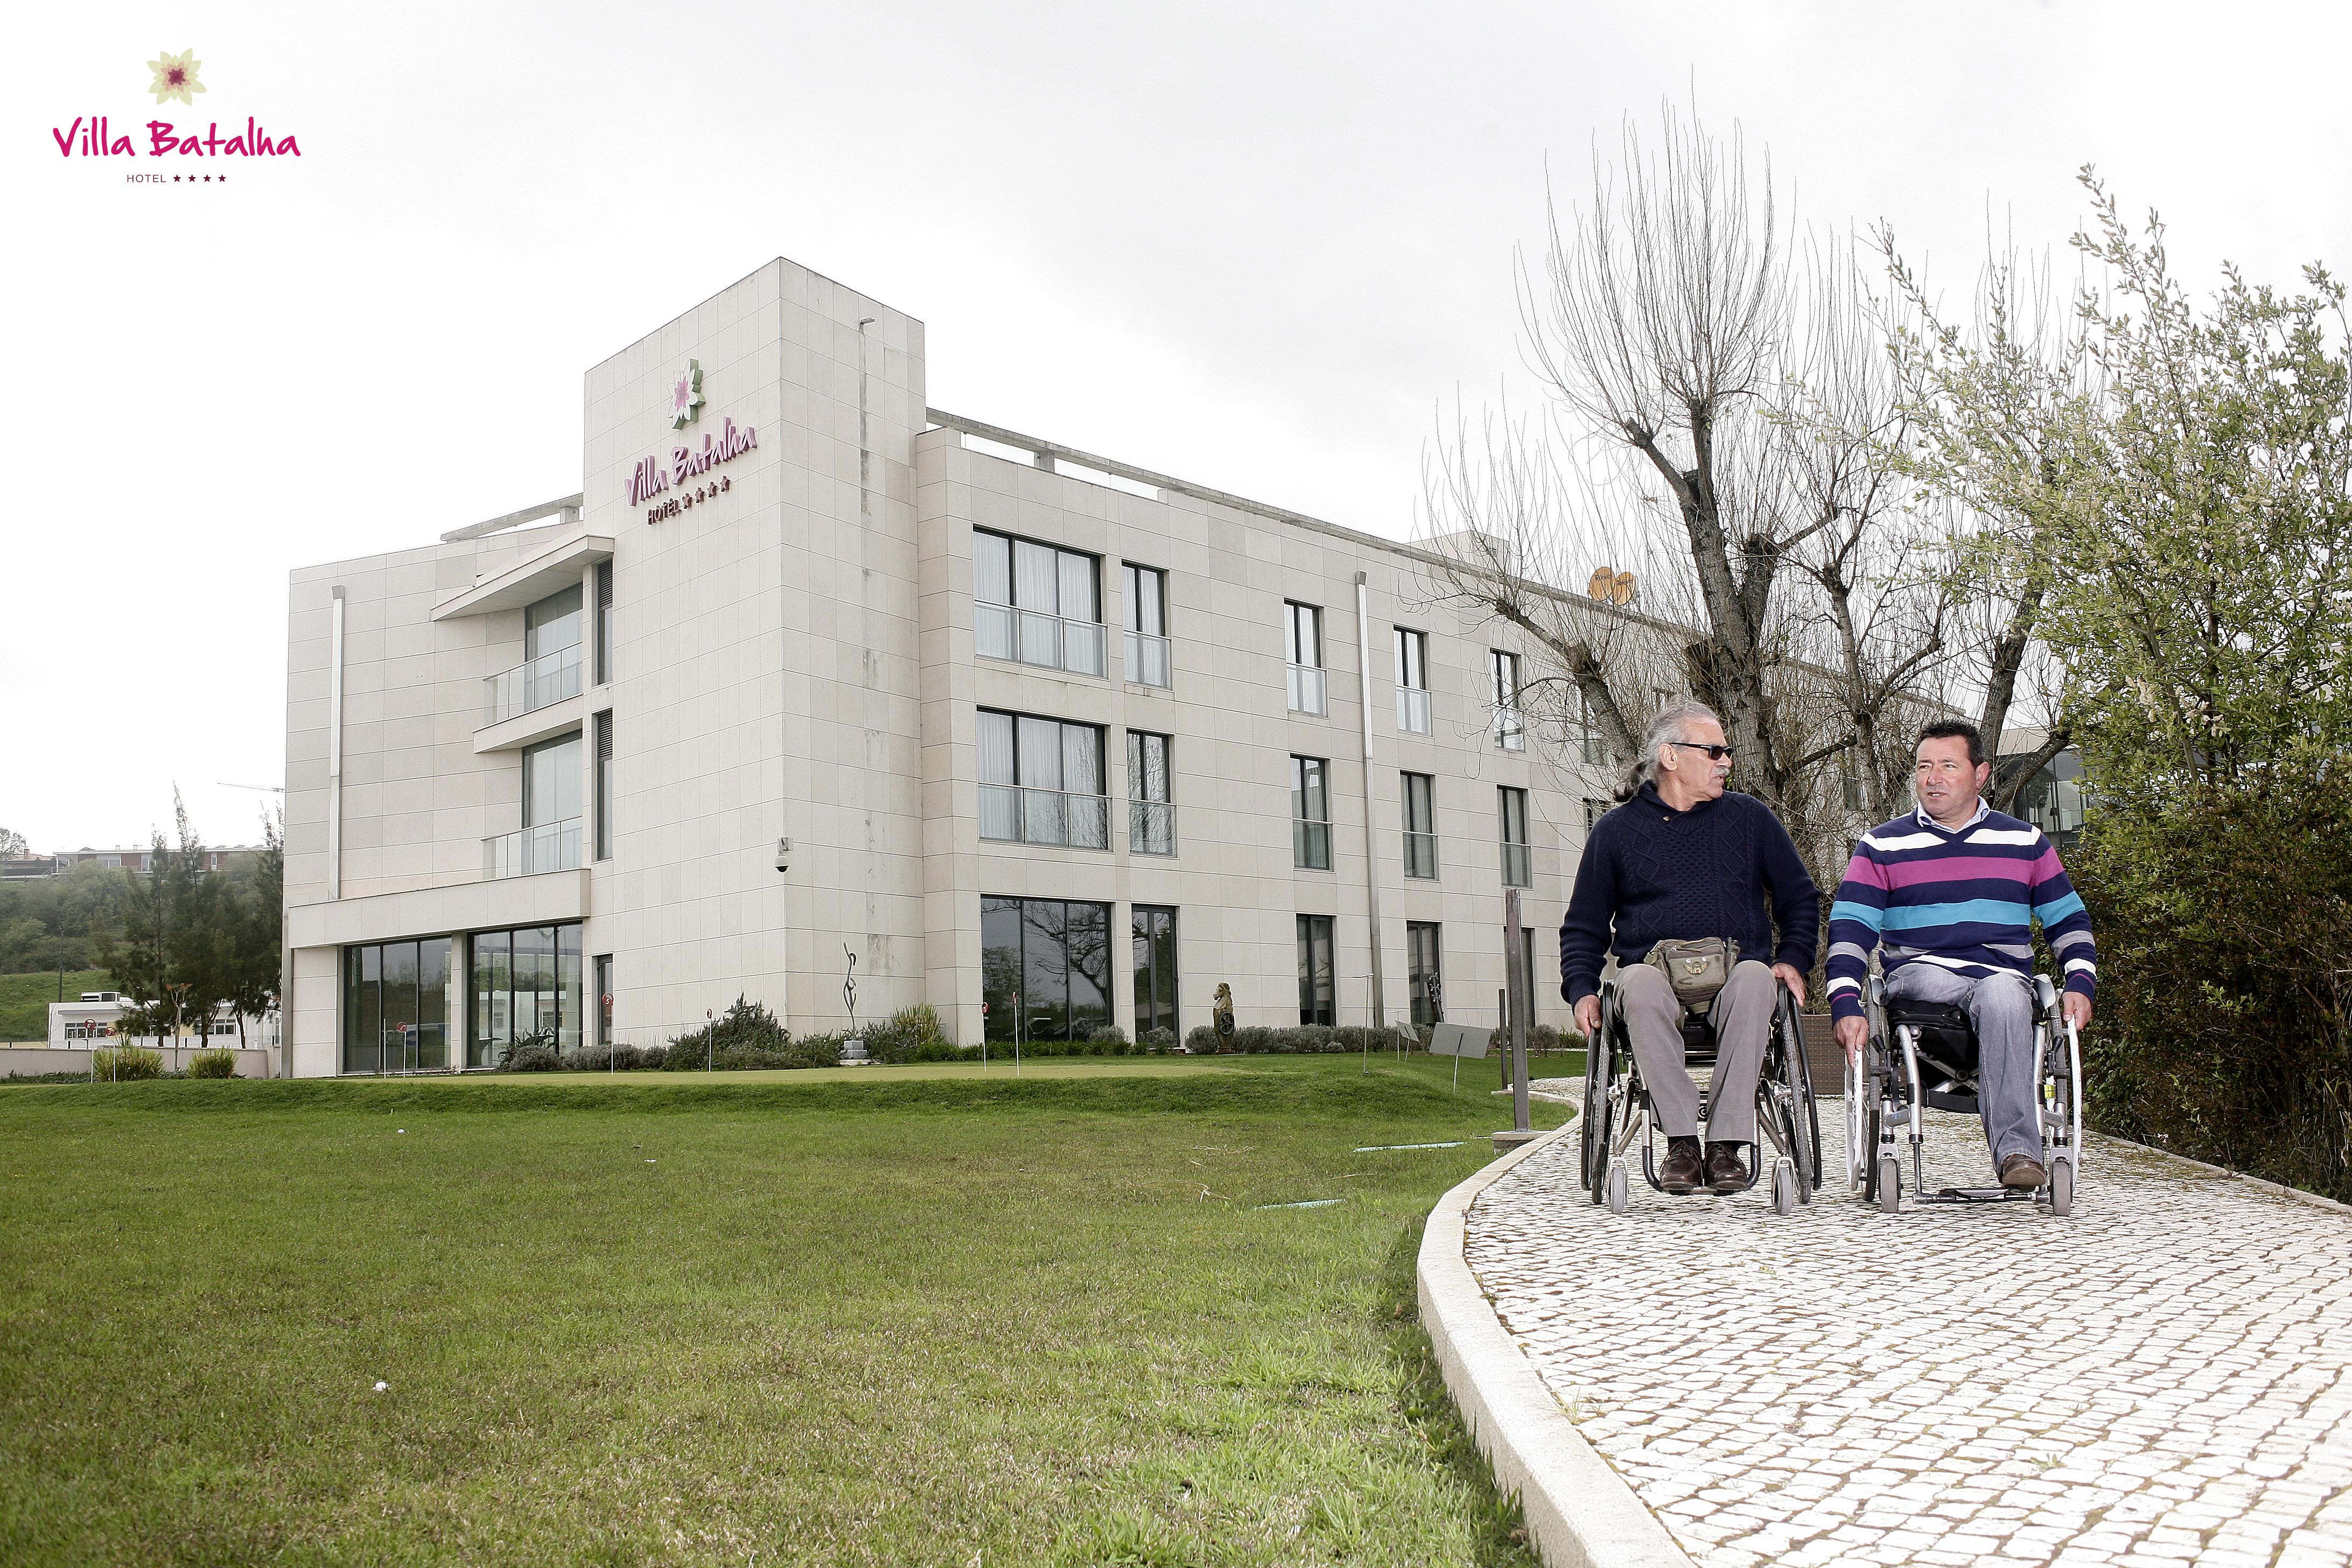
<point x="1458" y="1040"/>
<point x="1515" y="1022"/>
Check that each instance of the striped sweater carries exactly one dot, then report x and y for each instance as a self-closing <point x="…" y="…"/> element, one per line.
<point x="1963" y="899"/>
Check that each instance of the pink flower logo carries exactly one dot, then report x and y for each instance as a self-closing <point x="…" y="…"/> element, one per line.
<point x="175" y="76"/>
<point x="686" y="395"/>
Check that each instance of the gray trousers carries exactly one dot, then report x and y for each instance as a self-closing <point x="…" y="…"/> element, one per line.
<point x="1742" y="1016"/>
<point x="2008" y="1077"/>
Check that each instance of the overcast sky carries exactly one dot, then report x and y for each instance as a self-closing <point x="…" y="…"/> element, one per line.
<point x="1251" y="245"/>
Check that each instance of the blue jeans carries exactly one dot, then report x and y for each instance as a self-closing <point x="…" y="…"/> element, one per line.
<point x="2000" y="1005"/>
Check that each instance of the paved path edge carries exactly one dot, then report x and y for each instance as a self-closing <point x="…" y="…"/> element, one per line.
<point x="1579" y="1512"/>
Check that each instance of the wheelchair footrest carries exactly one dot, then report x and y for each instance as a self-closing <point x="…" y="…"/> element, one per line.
<point x="1979" y="1195"/>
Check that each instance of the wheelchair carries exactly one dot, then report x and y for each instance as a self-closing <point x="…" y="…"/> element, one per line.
<point x="1617" y="1111"/>
<point x="1923" y="1055"/>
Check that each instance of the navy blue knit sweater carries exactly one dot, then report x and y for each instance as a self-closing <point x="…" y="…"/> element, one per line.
<point x="1725" y="867"/>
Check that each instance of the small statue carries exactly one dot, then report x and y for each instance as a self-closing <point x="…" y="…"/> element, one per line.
<point x="1220" y="1017"/>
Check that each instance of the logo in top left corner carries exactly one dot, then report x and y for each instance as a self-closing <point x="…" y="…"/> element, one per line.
<point x="175" y="76"/>
<point x="686" y="396"/>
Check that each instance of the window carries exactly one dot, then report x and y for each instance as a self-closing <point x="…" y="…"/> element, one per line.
<point x="1147" y="624"/>
<point x="602" y="1003"/>
<point x="605" y="785"/>
<point x="550" y="671"/>
<point x="1310" y="813"/>
<point x="526" y="986"/>
<point x="1510" y="730"/>
<point x="1035" y="604"/>
<point x="1420" y="792"/>
<point x="604" y="621"/>
<point x="1316" y="994"/>
<point x="1150" y="810"/>
<point x="549" y="836"/>
<point x="1595" y="752"/>
<point x="1426" y="984"/>
<point x="1041" y="782"/>
<point x="1154" y="931"/>
<point x="1594" y="810"/>
<point x="1303" y="648"/>
<point x="1413" y="681"/>
<point x="1518" y="862"/>
<point x="397" y="1007"/>
<point x="1044" y="968"/>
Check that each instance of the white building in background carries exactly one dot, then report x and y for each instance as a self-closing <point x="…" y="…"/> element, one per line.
<point x="94" y="1021"/>
<point x="810" y="672"/>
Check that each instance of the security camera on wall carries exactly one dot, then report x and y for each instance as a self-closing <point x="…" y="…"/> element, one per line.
<point x="783" y="854"/>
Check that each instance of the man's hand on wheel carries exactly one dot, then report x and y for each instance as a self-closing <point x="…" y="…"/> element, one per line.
<point x="1853" y="1034"/>
<point x="1587" y="1015"/>
<point x="2077" y="1009"/>
<point x="1794" y="978"/>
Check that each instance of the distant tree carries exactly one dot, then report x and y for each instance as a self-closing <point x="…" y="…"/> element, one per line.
<point x="174" y="961"/>
<point x="12" y="844"/>
<point x="258" y="901"/>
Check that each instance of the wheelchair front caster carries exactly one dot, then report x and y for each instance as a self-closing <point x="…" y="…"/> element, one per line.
<point x="1890" y="1184"/>
<point x="1616" y="1189"/>
<point x="1784" y="1188"/>
<point x="2061" y="1187"/>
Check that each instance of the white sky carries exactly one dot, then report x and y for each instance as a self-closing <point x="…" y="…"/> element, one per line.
<point x="1249" y="245"/>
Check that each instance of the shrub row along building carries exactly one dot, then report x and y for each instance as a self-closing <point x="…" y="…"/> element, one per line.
<point x="813" y="682"/>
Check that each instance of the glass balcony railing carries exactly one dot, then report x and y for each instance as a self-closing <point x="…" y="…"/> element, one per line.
<point x="1147" y="659"/>
<point x="1519" y="867"/>
<point x="1012" y="814"/>
<point x="1049" y="642"/>
<point x="1306" y="688"/>
<point x="1311" y="843"/>
<point x="1413" y="711"/>
<point x="550" y="847"/>
<point x="527" y="688"/>
<point x="1510" y="732"/>
<point x="1421" y="854"/>
<point x="1152" y="826"/>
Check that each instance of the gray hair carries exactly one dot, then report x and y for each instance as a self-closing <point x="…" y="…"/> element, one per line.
<point x="1672" y="723"/>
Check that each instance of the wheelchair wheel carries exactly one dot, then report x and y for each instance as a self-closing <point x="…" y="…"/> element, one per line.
<point x="1599" y="1130"/>
<point x="1614" y="1186"/>
<point x="2061" y="1187"/>
<point x="1785" y="1188"/>
<point x="1805" y="1115"/>
<point x="1887" y="1184"/>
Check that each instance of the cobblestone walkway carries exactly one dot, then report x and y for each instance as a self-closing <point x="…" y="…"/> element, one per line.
<point x="2165" y="1378"/>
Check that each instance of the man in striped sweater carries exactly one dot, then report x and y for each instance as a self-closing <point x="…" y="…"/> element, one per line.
<point x="1948" y="894"/>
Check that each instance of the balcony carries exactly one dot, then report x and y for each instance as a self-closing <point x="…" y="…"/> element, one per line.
<point x="1518" y="866"/>
<point x="527" y="688"/>
<point x="1152" y="826"/>
<point x="1012" y="814"/>
<point x="1413" y="711"/>
<point x="1048" y="642"/>
<point x="1147" y="659"/>
<point x="1311" y="843"/>
<point x="1420" y="855"/>
<point x="1306" y="684"/>
<point x="550" y="847"/>
<point x="1510" y="730"/>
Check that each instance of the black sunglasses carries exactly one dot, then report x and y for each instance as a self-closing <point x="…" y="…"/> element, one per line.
<point x="1714" y="753"/>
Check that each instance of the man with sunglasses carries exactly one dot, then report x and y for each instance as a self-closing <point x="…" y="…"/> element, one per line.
<point x="1682" y="860"/>
<point x="1948" y="894"/>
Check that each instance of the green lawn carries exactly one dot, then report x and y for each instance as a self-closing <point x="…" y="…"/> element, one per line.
<point x="905" y="1319"/>
<point x="25" y="1000"/>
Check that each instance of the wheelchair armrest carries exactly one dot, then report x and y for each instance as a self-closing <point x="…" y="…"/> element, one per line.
<point x="1877" y="990"/>
<point x="2045" y="996"/>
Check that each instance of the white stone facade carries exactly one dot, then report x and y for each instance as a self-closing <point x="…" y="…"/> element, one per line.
<point x="793" y="657"/>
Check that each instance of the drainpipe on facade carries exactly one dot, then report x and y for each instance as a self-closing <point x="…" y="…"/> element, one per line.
<point x="1371" y="842"/>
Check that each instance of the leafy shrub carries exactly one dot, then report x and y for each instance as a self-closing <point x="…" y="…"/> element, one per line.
<point x="616" y="1058"/>
<point x="1543" y="1040"/>
<point x="1158" y="1042"/>
<point x="1200" y="1040"/>
<point x="747" y="1036"/>
<point x="126" y="1064"/>
<point x="1108" y="1040"/>
<point x="905" y="1036"/>
<point x="534" y="1052"/>
<point x="212" y="1064"/>
<point x="2224" y="1011"/>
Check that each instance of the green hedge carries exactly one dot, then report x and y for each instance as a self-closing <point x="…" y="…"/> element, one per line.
<point x="2224" y="926"/>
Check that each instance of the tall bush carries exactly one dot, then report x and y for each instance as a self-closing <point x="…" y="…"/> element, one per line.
<point x="125" y="1064"/>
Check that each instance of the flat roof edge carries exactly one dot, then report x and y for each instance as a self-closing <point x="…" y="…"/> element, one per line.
<point x="567" y="504"/>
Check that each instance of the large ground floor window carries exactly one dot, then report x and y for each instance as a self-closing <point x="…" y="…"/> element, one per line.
<point x="1316" y="989"/>
<point x="1424" y="956"/>
<point x="1044" y="968"/>
<point x="397" y="1007"/>
<point x="526" y="983"/>
<point x="1153" y="930"/>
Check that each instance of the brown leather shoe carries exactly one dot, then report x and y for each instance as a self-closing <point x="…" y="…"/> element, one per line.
<point x="1680" y="1173"/>
<point x="2023" y="1171"/>
<point x="1726" y="1171"/>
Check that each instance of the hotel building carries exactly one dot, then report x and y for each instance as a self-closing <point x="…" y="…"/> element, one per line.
<point x="810" y="672"/>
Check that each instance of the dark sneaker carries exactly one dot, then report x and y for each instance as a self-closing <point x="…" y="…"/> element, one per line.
<point x="1726" y="1171"/>
<point x="2023" y="1171"/>
<point x="1681" y="1173"/>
